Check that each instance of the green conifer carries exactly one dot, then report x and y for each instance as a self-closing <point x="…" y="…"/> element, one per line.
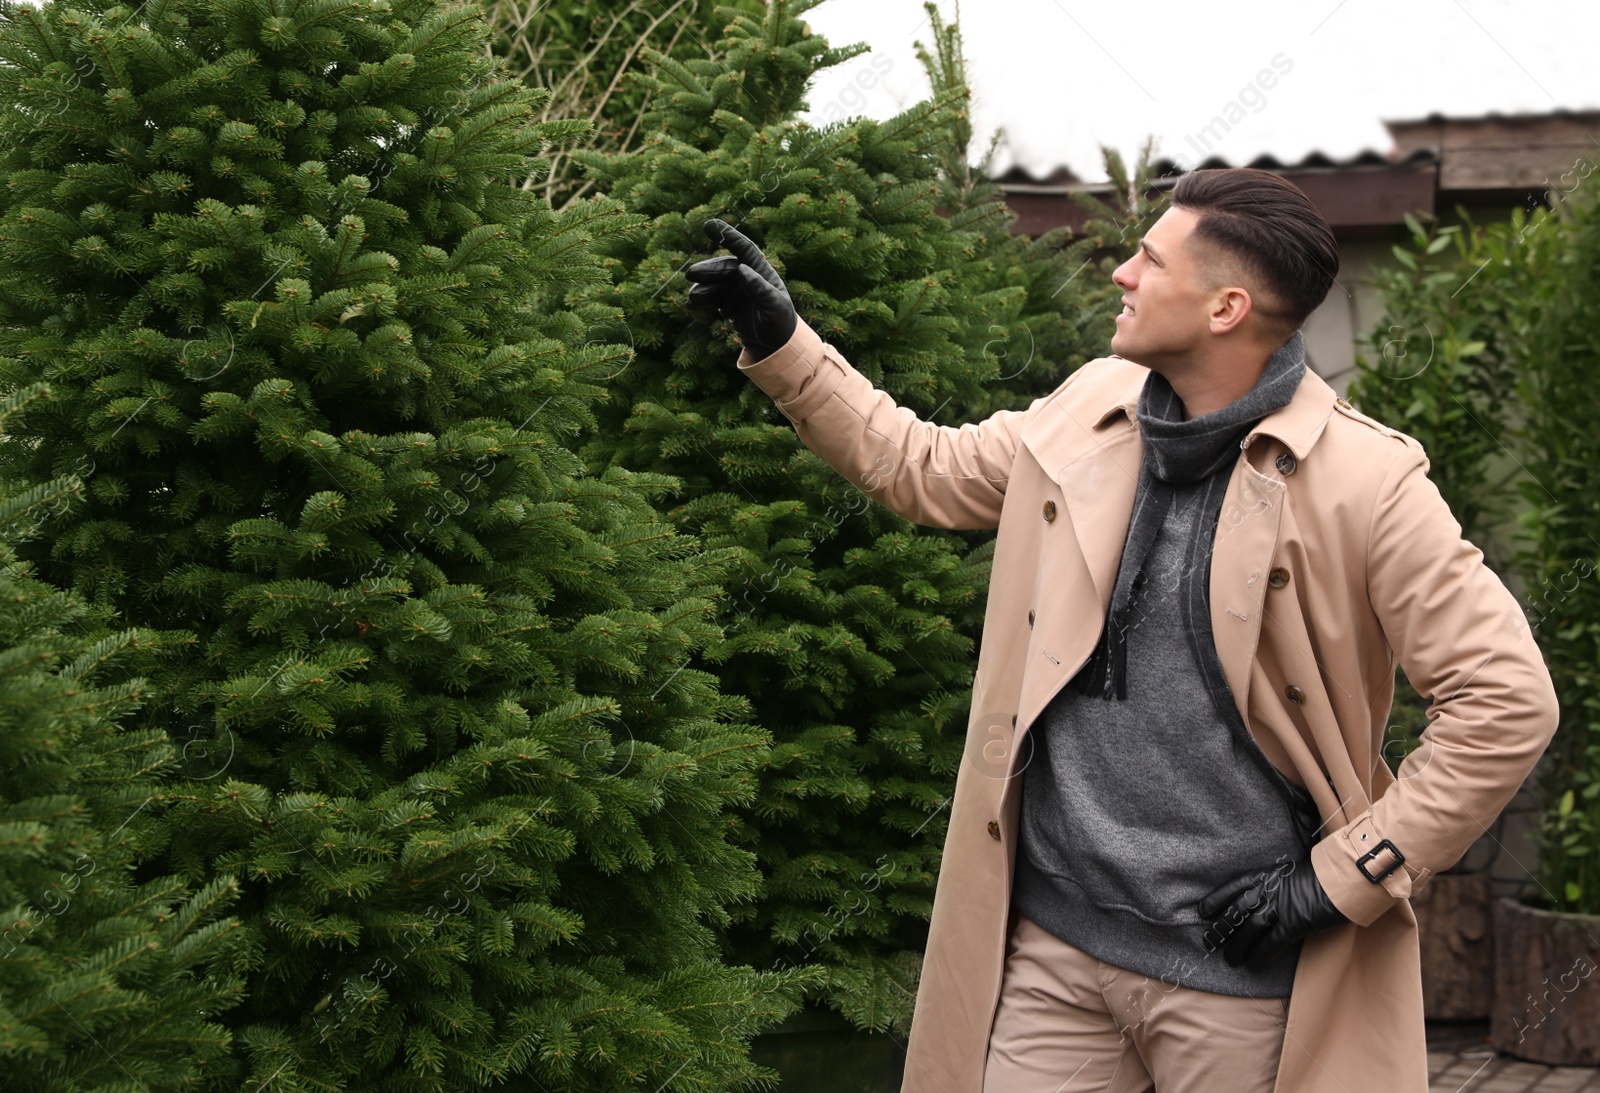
<point x="581" y="51"/>
<point x="106" y="983"/>
<point x="851" y="630"/>
<point x="274" y="258"/>
<point x="1045" y="303"/>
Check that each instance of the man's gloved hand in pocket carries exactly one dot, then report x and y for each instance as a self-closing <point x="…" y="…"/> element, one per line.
<point x="1256" y="916"/>
<point x="745" y="290"/>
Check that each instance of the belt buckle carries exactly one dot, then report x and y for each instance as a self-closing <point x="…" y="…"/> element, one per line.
<point x="1399" y="860"/>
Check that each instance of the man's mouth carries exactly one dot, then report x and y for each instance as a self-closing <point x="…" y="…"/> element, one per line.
<point x="1127" y="308"/>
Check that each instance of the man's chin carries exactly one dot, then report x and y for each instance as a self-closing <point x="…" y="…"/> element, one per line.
<point x="1141" y="351"/>
<point x="1126" y="348"/>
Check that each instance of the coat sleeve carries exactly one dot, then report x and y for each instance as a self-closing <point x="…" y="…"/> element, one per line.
<point x="1465" y="643"/>
<point x="937" y="475"/>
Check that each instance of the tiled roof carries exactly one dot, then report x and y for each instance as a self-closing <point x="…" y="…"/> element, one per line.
<point x="1482" y="152"/>
<point x="1064" y="178"/>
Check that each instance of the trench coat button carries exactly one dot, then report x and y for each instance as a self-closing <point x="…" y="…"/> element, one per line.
<point x="1030" y="618"/>
<point x="1278" y="577"/>
<point x="1294" y="694"/>
<point x="1049" y="510"/>
<point x="1286" y="463"/>
<point x="1340" y="400"/>
<point x="1013" y="721"/>
<point x="994" y="829"/>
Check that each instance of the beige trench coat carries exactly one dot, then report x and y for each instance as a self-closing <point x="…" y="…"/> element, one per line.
<point x="1334" y="554"/>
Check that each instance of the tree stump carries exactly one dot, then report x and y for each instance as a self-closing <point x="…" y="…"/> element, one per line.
<point x="1453" y="920"/>
<point x="1547" y="997"/>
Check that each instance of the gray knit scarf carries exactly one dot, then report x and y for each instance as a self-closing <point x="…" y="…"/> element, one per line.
<point x="1202" y="450"/>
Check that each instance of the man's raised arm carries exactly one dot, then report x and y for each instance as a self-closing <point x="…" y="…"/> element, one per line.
<point x="938" y="475"/>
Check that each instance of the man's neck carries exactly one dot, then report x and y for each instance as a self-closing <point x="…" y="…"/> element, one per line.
<point x="1204" y="386"/>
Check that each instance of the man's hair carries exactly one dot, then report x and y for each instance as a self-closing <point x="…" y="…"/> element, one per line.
<point x="1269" y="227"/>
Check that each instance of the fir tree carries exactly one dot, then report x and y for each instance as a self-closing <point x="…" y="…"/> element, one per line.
<point x="275" y="260"/>
<point x="581" y="51"/>
<point x="851" y="630"/>
<point x="1052" y="296"/>
<point x="106" y="984"/>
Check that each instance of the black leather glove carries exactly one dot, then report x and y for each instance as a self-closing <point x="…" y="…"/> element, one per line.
<point x="1256" y="916"/>
<point x="745" y="290"/>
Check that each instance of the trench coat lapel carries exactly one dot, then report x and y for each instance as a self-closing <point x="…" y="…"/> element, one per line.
<point x="1247" y="534"/>
<point x="1095" y="463"/>
<point x="1248" y="526"/>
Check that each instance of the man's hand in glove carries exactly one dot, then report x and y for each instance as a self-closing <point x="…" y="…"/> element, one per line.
<point x="1257" y="916"/>
<point x="745" y="290"/>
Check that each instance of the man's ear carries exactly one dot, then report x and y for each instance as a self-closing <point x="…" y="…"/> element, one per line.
<point x="1230" y="306"/>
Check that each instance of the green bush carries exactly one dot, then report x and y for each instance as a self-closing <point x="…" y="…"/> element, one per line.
<point x="1442" y="363"/>
<point x="108" y="982"/>
<point x="582" y="51"/>
<point x="1486" y="354"/>
<point x="1561" y="450"/>
<point x="308" y="330"/>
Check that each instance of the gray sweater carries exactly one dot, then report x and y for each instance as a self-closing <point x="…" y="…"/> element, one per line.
<point x="1132" y="810"/>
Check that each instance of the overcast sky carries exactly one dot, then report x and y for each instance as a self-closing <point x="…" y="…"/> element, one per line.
<point x="1063" y="77"/>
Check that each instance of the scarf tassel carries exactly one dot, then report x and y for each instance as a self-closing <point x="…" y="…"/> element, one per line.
<point x="1105" y="673"/>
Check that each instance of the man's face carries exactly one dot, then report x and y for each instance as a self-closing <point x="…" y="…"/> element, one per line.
<point x="1167" y="301"/>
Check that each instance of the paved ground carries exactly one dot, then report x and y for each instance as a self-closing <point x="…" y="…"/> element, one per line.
<point x="1486" y="1072"/>
<point x="1461" y="1061"/>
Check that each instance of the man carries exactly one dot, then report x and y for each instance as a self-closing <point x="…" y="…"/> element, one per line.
<point x="1176" y="858"/>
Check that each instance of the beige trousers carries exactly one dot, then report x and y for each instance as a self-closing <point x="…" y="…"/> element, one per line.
<point x="1068" y="1023"/>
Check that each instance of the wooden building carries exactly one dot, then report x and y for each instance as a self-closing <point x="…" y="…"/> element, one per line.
<point x="1486" y="165"/>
